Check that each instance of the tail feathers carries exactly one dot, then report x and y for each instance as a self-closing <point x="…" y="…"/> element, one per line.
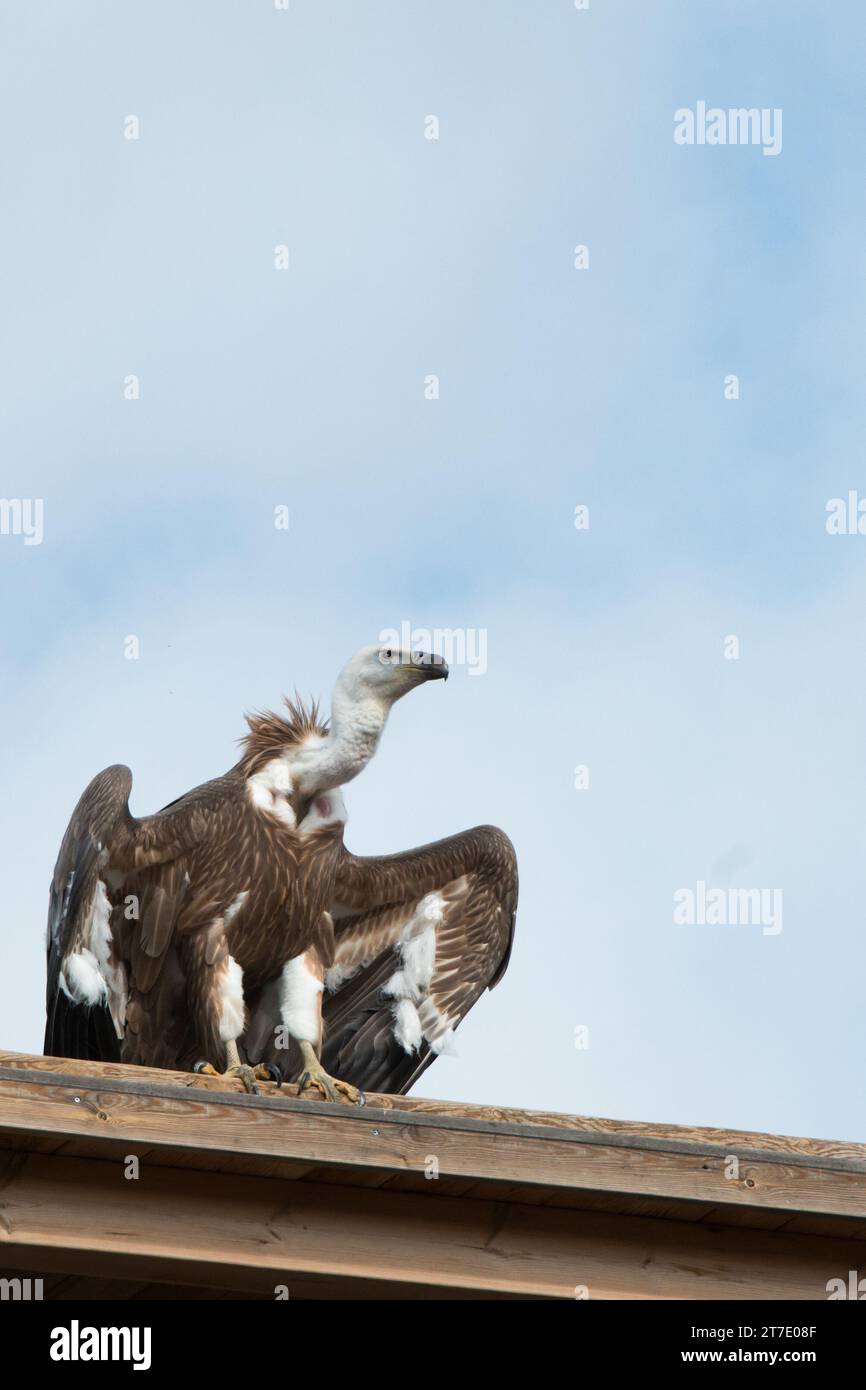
<point x="80" y="1030"/>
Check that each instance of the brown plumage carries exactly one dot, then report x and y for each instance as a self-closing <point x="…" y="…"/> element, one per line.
<point x="475" y="875"/>
<point x="171" y="882"/>
<point x="215" y="922"/>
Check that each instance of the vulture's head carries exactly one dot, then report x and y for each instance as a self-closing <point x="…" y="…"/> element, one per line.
<point x="368" y="685"/>
<point x="383" y="673"/>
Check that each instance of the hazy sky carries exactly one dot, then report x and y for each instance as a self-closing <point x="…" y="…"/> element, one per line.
<point x="605" y="387"/>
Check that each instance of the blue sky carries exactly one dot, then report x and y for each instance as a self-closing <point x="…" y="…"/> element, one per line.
<point x="558" y="387"/>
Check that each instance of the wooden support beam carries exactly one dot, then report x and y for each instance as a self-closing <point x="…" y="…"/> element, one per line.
<point x="173" y="1114"/>
<point x="239" y="1193"/>
<point x="78" y="1216"/>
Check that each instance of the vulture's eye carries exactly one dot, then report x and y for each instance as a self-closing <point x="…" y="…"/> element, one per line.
<point x="386" y="656"/>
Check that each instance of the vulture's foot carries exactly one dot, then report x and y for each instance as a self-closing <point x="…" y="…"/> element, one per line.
<point x="330" y="1086"/>
<point x="247" y="1074"/>
<point x="263" y="1071"/>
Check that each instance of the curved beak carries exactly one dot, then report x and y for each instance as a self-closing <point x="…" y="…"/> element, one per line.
<point x="434" y="667"/>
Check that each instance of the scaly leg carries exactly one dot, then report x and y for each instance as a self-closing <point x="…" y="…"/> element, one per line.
<point x="301" y="987"/>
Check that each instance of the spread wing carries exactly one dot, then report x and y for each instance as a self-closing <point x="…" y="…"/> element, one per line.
<point x="79" y="1019"/>
<point x="419" y="937"/>
<point x="104" y="849"/>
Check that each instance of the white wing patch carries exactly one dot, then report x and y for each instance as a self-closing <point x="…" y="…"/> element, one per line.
<point x="413" y="939"/>
<point x="90" y="975"/>
<point x="417" y="950"/>
<point x="407" y="1025"/>
<point x="415" y="1014"/>
<point x="81" y="979"/>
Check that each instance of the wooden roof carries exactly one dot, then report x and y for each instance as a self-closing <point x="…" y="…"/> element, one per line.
<point x="238" y="1195"/>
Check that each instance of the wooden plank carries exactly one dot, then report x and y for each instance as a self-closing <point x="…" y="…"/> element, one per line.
<point x="738" y="1142"/>
<point x="252" y="1234"/>
<point x="208" y="1129"/>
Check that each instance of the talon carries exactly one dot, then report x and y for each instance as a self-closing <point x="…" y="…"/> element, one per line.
<point x="206" y="1069"/>
<point x="268" y="1071"/>
<point x="247" y="1076"/>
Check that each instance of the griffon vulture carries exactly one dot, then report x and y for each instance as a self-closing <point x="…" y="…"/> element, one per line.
<point x="234" y="930"/>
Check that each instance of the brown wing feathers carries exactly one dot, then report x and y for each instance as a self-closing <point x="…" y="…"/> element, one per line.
<point x="421" y="936"/>
<point x="394" y="1005"/>
<point x="72" y="1031"/>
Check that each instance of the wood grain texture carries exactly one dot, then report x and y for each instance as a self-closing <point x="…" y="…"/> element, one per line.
<point x="111" y="1108"/>
<point x="731" y="1140"/>
<point x="81" y="1217"/>
<point x="238" y="1193"/>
